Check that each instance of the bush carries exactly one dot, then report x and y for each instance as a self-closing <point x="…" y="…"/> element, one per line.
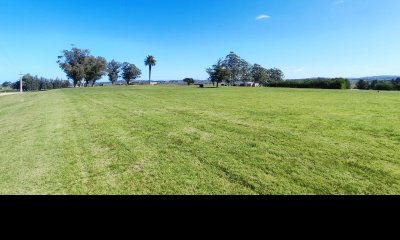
<point x="396" y="84"/>
<point x="34" y="83"/>
<point x="337" y="83"/>
<point x="363" y="85"/>
<point x="384" y="86"/>
<point x="201" y="85"/>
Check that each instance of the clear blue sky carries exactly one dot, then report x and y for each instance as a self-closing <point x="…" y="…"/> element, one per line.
<point x="305" y="38"/>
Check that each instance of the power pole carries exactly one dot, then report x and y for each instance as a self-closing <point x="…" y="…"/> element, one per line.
<point x="20" y="83"/>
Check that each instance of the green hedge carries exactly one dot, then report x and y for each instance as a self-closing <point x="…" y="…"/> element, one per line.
<point x="34" y="83"/>
<point x="336" y="83"/>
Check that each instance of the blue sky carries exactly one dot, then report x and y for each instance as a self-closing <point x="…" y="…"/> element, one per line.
<point x="305" y="38"/>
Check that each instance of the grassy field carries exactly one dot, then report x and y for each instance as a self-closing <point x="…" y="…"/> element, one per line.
<point x="187" y="140"/>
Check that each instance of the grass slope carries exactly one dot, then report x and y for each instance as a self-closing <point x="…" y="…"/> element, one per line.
<point x="181" y="140"/>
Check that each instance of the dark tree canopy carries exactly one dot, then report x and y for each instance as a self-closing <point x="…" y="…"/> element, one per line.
<point x="396" y="84"/>
<point x="260" y="75"/>
<point x="239" y="68"/>
<point x="6" y="84"/>
<point x="219" y="73"/>
<point x="362" y="85"/>
<point x="113" y="69"/>
<point x="130" y="72"/>
<point x="72" y="63"/>
<point x="276" y="74"/>
<point x="321" y="83"/>
<point x="95" y="69"/>
<point x="189" y="81"/>
<point x="242" y="71"/>
<point x="384" y="85"/>
<point x="35" y="83"/>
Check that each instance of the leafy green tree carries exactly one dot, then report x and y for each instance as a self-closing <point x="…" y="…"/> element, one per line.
<point x="362" y="85"/>
<point x="320" y="83"/>
<point x="396" y="84"/>
<point x="276" y="74"/>
<point x="239" y="69"/>
<point x="373" y="84"/>
<point x="35" y="83"/>
<point x="113" y="69"/>
<point x="210" y="72"/>
<point x="151" y="62"/>
<point x="384" y="86"/>
<point x="245" y="72"/>
<point x="94" y="69"/>
<point x="28" y="83"/>
<point x="6" y="84"/>
<point x="130" y="72"/>
<point x="189" y="81"/>
<point x="260" y="75"/>
<point x="219" y="73"/>
<point x="72" y="63"/>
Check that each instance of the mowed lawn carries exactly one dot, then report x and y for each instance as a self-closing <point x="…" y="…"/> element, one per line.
<point x="187" y="140"/>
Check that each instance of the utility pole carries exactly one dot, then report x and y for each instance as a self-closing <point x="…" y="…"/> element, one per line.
<point x="20" y="83"/>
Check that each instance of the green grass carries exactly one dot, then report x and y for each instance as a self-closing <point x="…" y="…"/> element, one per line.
<point x="186" y="140"/>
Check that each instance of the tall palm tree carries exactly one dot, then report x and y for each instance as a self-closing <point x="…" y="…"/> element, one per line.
<point x="151" y="62"/>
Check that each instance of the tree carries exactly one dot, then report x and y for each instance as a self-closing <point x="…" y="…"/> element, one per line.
<point x="384" y="85"/>
<point x="6" y="84"/>
<point x="28" y="83"/>
<point x="373" y="84"/>
<point x="72" y="63"/>
<point x="35" y="83"/>
<point x="245" y="72"/>
<point x="362" y="85"/>
<point x="130" y="72"/>
<point x="113" y="69"/>
<point x="396" y="84"/>
<point x="94" y="69"/>
<point x="151" y="62"/>
<point x="276" y="74"/>
<point x="240" y="70"/>
<point x="219" y="73"/>
<point x="260" y="75"/>
<point x="189" y="81"/>
<point x="210" y="72"/>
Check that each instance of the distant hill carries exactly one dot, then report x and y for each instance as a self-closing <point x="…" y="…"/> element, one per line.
<point x="379" y="78"/>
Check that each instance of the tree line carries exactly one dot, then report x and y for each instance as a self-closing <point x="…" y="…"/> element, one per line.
<point x="6" y="84"/>
<point x="35" y="83"/>
<point x="233" y="70"/>
<point x="85" y="70"/>
<point x="319" y="83"/>
<point x="393" y="85"/>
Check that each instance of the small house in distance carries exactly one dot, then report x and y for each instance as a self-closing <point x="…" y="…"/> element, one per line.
<point x="247" y="84"/>
<point x="252" y="84"/>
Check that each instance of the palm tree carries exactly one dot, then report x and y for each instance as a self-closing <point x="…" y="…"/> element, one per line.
<point x="151" y="62"/>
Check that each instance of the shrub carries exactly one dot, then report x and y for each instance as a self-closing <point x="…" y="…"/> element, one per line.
<point x="384" y="86"/>
<point x="337" y="83"/>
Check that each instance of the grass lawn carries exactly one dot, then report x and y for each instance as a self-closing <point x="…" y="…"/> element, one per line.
<point x="187" y="140"/>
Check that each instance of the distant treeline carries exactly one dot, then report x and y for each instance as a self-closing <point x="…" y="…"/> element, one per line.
<point x="35" y="83"/>
<point x="235" y="71"/>
<point x="320" y="83"/>
<point x="393" y="85"/>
